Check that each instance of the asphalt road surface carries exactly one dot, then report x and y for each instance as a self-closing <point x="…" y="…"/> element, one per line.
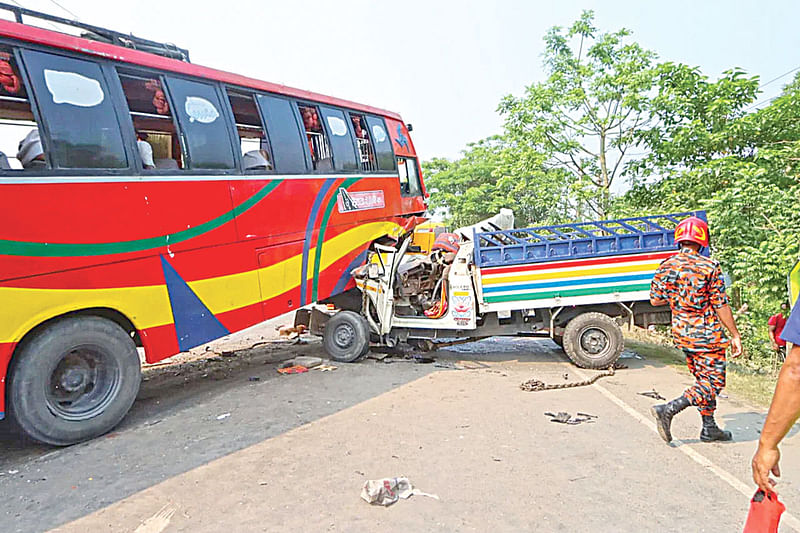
<point x="228" y="444"/>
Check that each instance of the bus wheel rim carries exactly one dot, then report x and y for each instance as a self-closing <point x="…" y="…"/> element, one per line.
<point x="83" y="383"/>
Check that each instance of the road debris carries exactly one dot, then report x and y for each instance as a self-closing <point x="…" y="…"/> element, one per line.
<point x="652" y="394"/>
<point x="534" y="385"/>
<point x="157" y="522"/>
<point x="562" y="417"/>
<point x="223" y="416"/>
<point x="294" y="369"/>
<point x="387" y="491"/>
<point x="326" y="368"/>
<point x="254" y="378"/>
<point x="306" y="361"/>
<point x="291" y="332"/>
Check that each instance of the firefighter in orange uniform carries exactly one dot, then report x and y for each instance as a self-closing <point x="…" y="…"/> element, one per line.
<point x="692" y="285"/>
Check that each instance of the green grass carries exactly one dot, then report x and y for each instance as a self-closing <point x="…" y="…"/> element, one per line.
<point x="756" y="387"/>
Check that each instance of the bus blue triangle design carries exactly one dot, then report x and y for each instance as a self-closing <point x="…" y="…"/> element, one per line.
<point x="195" y="324"/>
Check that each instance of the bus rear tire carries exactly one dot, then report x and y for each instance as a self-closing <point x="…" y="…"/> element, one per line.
<point x="346" y="337"/>
<point x="74" y="380"/>
<point x="593" y="340"/>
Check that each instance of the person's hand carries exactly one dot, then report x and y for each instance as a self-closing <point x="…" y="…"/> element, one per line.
<point x="765" y="461"/>
<point x="736" y="346"/>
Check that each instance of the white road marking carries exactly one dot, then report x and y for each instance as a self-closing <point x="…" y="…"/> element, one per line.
<point x="702" y="460"/>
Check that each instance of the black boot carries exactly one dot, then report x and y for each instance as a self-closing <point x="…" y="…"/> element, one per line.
<point x="663" y="414"/>
<point x="711" y="431"/>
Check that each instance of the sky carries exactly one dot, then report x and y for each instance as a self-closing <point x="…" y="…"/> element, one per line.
<point x="443" y="65"/>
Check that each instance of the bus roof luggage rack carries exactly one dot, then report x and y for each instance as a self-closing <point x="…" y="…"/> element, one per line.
<point x="97" y="33"/>
<point x="579" y="240"/>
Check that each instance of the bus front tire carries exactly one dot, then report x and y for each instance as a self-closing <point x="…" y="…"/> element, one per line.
<point x="74" y="380"/>
<point x="346" y="337"/>
<point x="593" y="340"/>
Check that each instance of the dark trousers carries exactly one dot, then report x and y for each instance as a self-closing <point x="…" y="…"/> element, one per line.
<point x="708" y="369"/>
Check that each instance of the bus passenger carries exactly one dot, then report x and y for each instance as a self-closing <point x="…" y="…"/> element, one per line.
<point x="256" y="160"/>
<point x="31" y="153"/>
<point x="145" y="150"/>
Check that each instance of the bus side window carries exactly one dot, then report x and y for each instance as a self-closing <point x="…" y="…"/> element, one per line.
<point x="19" y="147"/>
<point x="409" y="176"/>
<point x="255" y="151"/>
<point x="198" y="109"/>
<point x="77" y="110"/>
<point x="156" y="139"/>
<point x="341" y="139"/>
<point x="383" y="144"/>
<point x="285" y="135"/>
<point x="366" y="154"/>
<point x="321" y="158"/>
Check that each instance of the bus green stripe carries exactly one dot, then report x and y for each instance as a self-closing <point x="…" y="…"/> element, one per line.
<point x="321" y="237"/>
<point x="564" y="294"/>
<point x="45" y="249"/>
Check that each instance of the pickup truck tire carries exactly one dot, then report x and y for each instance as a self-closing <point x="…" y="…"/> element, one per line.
<point x="593" y="340"/>
<point x="346" y="337"/>
<point x="73" y="380"/>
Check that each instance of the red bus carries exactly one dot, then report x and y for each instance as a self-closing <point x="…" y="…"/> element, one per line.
<point x="150" y="202"/>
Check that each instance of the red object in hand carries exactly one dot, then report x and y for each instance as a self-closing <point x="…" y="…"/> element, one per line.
<point x="765" y="513"/>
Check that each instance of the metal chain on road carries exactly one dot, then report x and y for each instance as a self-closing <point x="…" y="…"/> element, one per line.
<point x="534" y="385"/>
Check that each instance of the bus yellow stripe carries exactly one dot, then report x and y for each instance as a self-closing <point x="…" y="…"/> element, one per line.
<point x="149" y="306"/>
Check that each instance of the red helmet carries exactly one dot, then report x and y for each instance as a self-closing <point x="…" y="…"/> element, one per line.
<point x="692" y="229"/>
<point x="447" y="242"/>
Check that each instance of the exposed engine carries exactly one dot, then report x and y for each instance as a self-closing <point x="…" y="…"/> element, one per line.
<point x="421" y="281"/>
<point x="418" y="284"/>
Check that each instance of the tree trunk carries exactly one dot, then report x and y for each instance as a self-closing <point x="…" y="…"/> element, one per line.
<point x="604" y="193"/>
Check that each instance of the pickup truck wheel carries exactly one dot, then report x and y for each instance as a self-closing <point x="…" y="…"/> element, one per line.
<point x="73" y="380"/>
<point x="346" y="337"/>
<point x="593" y="340"/>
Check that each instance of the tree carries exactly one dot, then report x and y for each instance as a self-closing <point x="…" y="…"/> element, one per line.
<point x="589" y="113"/>
<point x="490" y="175"/>
<point x="743" y="168"/>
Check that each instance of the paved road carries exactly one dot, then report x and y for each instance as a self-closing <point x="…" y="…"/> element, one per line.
<point x="295" y="451"/>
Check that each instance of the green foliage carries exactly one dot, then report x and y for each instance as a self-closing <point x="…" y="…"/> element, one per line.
<point x="590" y="112"/>
<point x="490" y="175"/>
<point x="606" y="112"/>
<point x="742" y="168"/>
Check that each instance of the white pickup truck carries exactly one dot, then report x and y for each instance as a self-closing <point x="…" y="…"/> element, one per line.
<point x="575" y="283"/>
